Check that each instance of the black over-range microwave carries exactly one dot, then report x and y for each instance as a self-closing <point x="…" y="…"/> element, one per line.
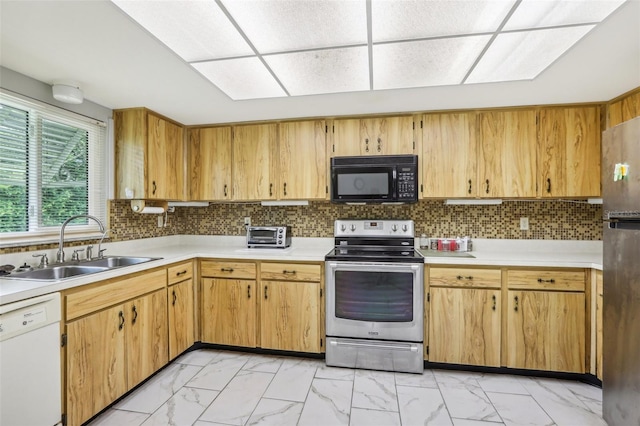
<point x="374" y="179"/>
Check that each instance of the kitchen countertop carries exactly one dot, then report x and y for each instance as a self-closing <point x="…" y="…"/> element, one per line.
<point x="534" y="253"/>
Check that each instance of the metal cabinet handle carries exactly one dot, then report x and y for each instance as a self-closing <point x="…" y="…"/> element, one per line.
<point x="494" y="302"/>
<point x="265" y="292"/>
<point x="285" y="188"/>
<point x="154" y="187"/>
<point x="460" y="277"/>
<point x="225" y="189"/>
<point x="175" y="297"/>
<point x="549" y="185"/>
<point x="366" y="142"/>
<point x="270" y="189"/>
<point x="288" y="272"/>
<point x="469" y="186"/>
<point x="249" y="291"/>
<point x="226" y="270"/>
<point x="181" y="273"/>
<point x="135" y="315"/>
<point x="540" y="280"/>
<point x="487" y="182"/>
<point x="121" y="316"/>
<point x="379" y="145"/>
<point x="515" y="308"/>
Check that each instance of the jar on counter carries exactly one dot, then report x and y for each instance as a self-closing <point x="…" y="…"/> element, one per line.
<point x="424" y="241"/>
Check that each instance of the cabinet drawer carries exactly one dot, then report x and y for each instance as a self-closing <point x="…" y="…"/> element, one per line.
<point x="546" y="279"/>
<point x="465" y="277"/>
<point x="180" y="272"/>
<point x="290" y="271"/>
<point x="245" y="270"/>
<point x="108" y="294"/>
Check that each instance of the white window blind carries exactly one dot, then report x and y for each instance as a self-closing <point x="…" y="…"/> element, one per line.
<point x="52" y="166"/>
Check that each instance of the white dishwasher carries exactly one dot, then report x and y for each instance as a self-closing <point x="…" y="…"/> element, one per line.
<point x="30" y="384"/>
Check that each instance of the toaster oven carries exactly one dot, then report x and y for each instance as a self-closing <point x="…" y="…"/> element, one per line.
<point x="269" y="236"/>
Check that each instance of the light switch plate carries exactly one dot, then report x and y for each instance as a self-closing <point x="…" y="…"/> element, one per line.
<point x="524" y="223"/>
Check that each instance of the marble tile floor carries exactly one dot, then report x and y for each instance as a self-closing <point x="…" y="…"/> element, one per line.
<point x="214" y="387"/>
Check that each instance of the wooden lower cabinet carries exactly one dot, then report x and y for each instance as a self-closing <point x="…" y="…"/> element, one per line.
<point x="229" y="311"/>
<point x="181" y="304"/>
<point x="546" y="330"/>
<point x="599" y="305"/>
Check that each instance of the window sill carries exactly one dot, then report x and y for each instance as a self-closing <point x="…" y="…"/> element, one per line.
<point x="50" y="238"/>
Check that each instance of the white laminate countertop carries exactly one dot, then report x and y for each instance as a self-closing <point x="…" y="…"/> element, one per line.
<point x="535" y="253"/>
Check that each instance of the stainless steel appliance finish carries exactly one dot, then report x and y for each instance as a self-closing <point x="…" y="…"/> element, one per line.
<point x="621" y="312"/>
<point x="269" y="236"/>
<point x="375" y="305"/>
<point x="374" y="179"/>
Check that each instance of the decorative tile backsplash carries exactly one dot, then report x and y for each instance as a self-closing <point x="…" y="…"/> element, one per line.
<point x="548" y="220"/>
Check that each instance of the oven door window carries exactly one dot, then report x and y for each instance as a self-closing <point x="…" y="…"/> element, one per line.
<point x="364" y="183"/>
<point x="263" y="235"/>
<point x="374" y="296"/>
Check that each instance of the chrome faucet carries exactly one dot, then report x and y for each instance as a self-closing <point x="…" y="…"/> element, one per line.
<point x="100" y="249"/>
<point x="60" y="253"/>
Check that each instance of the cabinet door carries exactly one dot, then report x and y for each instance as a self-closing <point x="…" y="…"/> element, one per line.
<point x="290" y="316"/>
<point x="625" y="109"/>
<point x="95" y="363"/>
<point x="165" y="166"/>
<point x="346" y="138"/>
<point x="599" y="305"/>
<point x="181" y="317"/>
<point x="546" y="331"/>
<point x="254" y="160"/>
<point x="569" y="152"/>
<point x="507" y="160"/>
<point x="147" y="336"/>
<point x="449" y="155"/>
<point x="130" y="134"/>
<point x="210" y="163"/>
<point x="229" y="312"/>
<point x="387" y="135"/>
<point x="303" y="160"/>
<point x="464" y="327"/>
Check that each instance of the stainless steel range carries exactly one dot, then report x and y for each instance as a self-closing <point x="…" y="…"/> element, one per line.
<point x="375" y="304"/>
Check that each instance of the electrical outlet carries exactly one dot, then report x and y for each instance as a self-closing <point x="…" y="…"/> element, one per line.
<point x="524" y="223"/>
<point x="247" y="221"/>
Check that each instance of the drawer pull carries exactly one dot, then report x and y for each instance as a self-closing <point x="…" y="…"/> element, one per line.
<point x="494" y="302"/>
<point x="515" y="308"/>
<point x="175" y="297"/>
<point x="181" y="273"/>
<point x="226" y="270"/>
<point x="135" y="315"/>
<point x="540" y="280"/>
<point x="288" y="272"/>
<point x="121" y="316"/>
<point x="460" y="277"/>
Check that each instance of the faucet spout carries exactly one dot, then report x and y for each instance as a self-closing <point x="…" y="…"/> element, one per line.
<point x="60" y="253"/>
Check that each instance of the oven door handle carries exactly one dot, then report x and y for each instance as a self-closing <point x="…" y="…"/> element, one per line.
<point x="397" y="346"/>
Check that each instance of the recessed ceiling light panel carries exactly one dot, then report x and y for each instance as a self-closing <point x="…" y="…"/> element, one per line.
<point x="425" y="63"/>
<point x="408" y="19"/>
<point x="285" y="25"/>
<point x="243" y="78"/>
<point x="524" y="55"/>
<point x="195" y="30"/>
<point x="322" y="71"/>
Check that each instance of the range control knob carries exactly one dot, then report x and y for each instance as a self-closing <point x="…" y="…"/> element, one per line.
<point x="353" y="228"/>
<point x="405" y="228"/>
<point x="394" y="228"/>
<point x="343" y="227"/>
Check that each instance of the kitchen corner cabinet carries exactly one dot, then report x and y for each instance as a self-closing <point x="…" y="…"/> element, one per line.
<point x="624" y="109"/>
<point x="449" y="155"/>
<point x="210" y="163"/>
<point x="229" y="303"/>
<point x="507" y="153"/>
<point x="290" y="306"/>
<point x="303" y="160"/>
<point x="149" y="152"/>
<point x="254" y="162"/>
<point x="569" y="152"/>
<point x="465" y="315"/>
<point x="181" y="308"/>
<point x="116" y="336"/>
<point x="546" y="319"/>
<point x="373" y="136"/>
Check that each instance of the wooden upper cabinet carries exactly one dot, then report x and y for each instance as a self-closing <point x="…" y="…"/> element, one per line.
<point x="569" y="152"/>
<point x="624" y="109"/>
<point x="255" y="149"/>
<point x="303" y="160"/>
<point x="373" y="136"/>
<point x="149" y="156"/>
<point x="507" y="153"/>
<point x="449" y="155"/>
<point x="210" y="163"/>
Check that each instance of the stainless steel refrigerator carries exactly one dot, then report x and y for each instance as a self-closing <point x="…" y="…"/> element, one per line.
<point x="621" y="322"/>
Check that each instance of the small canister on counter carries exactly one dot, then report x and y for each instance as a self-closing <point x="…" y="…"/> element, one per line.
<point x="424" y="241"/>
<point x="433" y="243"/>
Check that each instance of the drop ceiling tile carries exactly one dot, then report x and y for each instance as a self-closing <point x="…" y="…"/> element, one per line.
<point x="524" y="55"/>
<point x="539" y="14"/>
<point x="286" y="25"/>
<point x="322" y="71"/>
<point x="409" y="19"/>
<point x="195" y="30"/>
<point x="242" y="78"/>
<point x="425" y="63"/>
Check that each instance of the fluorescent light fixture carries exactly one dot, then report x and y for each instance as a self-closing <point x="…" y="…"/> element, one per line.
<point x="285" y="203"/>
<point x="473" y="202"/>
<point x="188" y="203"/>
<point x="68" y="92"/>
<point x="594" y="200"/>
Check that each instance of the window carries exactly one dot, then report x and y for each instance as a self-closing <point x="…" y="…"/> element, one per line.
<point x="51" y="168"/>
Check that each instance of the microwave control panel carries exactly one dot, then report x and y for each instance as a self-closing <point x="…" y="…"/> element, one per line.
<point x="407" y="183"/>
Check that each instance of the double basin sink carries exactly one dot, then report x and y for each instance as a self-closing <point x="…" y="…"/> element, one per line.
<point x="70" y="270"/>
